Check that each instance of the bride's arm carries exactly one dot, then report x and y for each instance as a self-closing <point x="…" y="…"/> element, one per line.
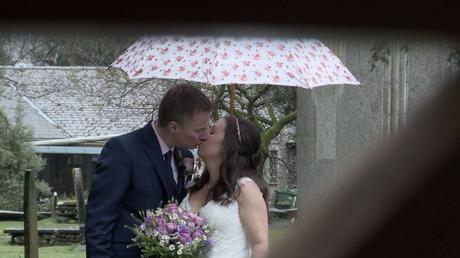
<point x="253" y="215"/>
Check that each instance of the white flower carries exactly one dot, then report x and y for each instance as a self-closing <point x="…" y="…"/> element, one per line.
<point x="204" y="237"/>
<point x="171" y="247"/>
<point x="181" y="246"/>
<point x="174" y="216"/>
<point x="179" y="252"/>
<point x="162" y="242"/>
<point x="155" y="233"/>
<point x="206" y="231"/>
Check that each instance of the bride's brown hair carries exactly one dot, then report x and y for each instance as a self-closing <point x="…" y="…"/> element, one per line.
<point x="242" y="157"/>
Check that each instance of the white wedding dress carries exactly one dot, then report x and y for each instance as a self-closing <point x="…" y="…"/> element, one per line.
<point x="229" y="239"/>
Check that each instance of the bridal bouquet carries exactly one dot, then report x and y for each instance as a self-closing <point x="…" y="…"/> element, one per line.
<point x="171" y="232"/>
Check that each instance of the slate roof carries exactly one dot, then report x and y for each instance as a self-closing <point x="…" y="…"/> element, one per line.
<point x="62" y="102"/>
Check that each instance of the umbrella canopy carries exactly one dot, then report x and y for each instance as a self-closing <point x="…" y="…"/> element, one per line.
<point x="305" y="63"/>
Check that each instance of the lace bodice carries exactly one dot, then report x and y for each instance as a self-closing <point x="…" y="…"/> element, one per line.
<point x="229" y="240"/>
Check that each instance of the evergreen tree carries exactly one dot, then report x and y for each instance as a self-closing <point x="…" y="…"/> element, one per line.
<point x="16" y="155"/>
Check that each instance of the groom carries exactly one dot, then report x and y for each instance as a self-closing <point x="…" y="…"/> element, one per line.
<point x="142" y="169"/>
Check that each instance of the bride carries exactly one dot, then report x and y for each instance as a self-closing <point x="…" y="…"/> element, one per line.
<point x="230" y="196"/>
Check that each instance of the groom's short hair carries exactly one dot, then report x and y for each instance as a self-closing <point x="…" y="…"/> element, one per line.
<point x="181" y="101"/>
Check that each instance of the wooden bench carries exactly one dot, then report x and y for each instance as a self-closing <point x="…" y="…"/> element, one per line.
<point x="19" y="215"/>
<point x="284" y="213"/>
<point x="47" y="236"/>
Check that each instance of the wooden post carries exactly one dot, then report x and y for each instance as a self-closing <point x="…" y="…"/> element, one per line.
<point x="30" y="216"/>
<point x="53" y="205"/>
<point x="78" y="186"/>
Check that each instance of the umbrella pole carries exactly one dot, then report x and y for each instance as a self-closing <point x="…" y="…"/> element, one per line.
<point x="231" y="89"/>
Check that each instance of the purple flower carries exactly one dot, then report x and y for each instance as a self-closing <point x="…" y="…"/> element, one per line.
<point x="208" y="243"/>
<point x="148" y="221"/>
<point x="162" y="229"/>
<point x="197" y="233"/>
<point x="184" y="238"/>
<point x="171" y="227"/>
<point x="172" y="207"/>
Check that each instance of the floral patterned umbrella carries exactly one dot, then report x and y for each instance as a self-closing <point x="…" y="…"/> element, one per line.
<point x="305" y="63"/>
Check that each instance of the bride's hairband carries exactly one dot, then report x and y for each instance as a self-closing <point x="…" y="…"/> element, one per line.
<point x="238" y="129"/>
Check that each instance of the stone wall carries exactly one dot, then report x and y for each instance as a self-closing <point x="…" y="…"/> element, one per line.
<point x="338" y="126"/>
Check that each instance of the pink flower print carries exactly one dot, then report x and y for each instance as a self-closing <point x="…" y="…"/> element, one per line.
<point x="194" y="74"/>
<point x="192" y="52"/>
<point x="271" y="53"/>
<point x="194" y="63"/>
<point x="137" y="71"/>
<point x="323" y="64"/>
<point x="207" y="49"/>
<point x="290" y="75"/>
<point x="330" y="77"/>
<point x="290" y="57"/>
<point x="224" y="55"/>
<point x="235" y="67"/>
<point x="259" y="44"/>
<point x="279" y="64"/>
<point x="268" y="68"/>
<point x="243" y="77"/>
<point x="179" y="58"/>
<point x="248" y="46"/>
<point x="238" y="52"/>
<point x="312" y="54"/>
<point x="281" y="47"/>
<point x="348" y="78"/>
<point x="335" y="74"/>
<point x="153" y="67"/>
<point x="167" y="72"/>
<point x="257" y="56"/>
<point x="207" y="71"/>
<point x="246" y="63"/>
<point x="180" y="48"/>
<point x="206" y="60"/>
<point x="150" y="57"/>
<point x="258" y="73"/>
<point x="276" y="78"/>
<point x="337" y="67"/>
<point x="181" y="68"/>
<point x="227" y="42"/>
<point x="167" y="61"/>
<point x="225" y="73"/>
<point x="164" y="50"/>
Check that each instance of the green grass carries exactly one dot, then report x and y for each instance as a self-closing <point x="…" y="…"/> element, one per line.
<point x="17" y="251"/>
<point x="75" y="251"/>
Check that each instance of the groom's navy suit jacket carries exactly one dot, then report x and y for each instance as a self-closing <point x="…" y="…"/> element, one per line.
<point x="130" y="176"/>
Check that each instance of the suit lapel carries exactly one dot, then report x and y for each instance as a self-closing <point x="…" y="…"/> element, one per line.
<point x="153" y="151"/>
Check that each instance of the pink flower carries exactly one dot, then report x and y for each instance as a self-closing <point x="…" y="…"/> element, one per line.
<point x="192" y="216"/>
<point x="198" y="220"/>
